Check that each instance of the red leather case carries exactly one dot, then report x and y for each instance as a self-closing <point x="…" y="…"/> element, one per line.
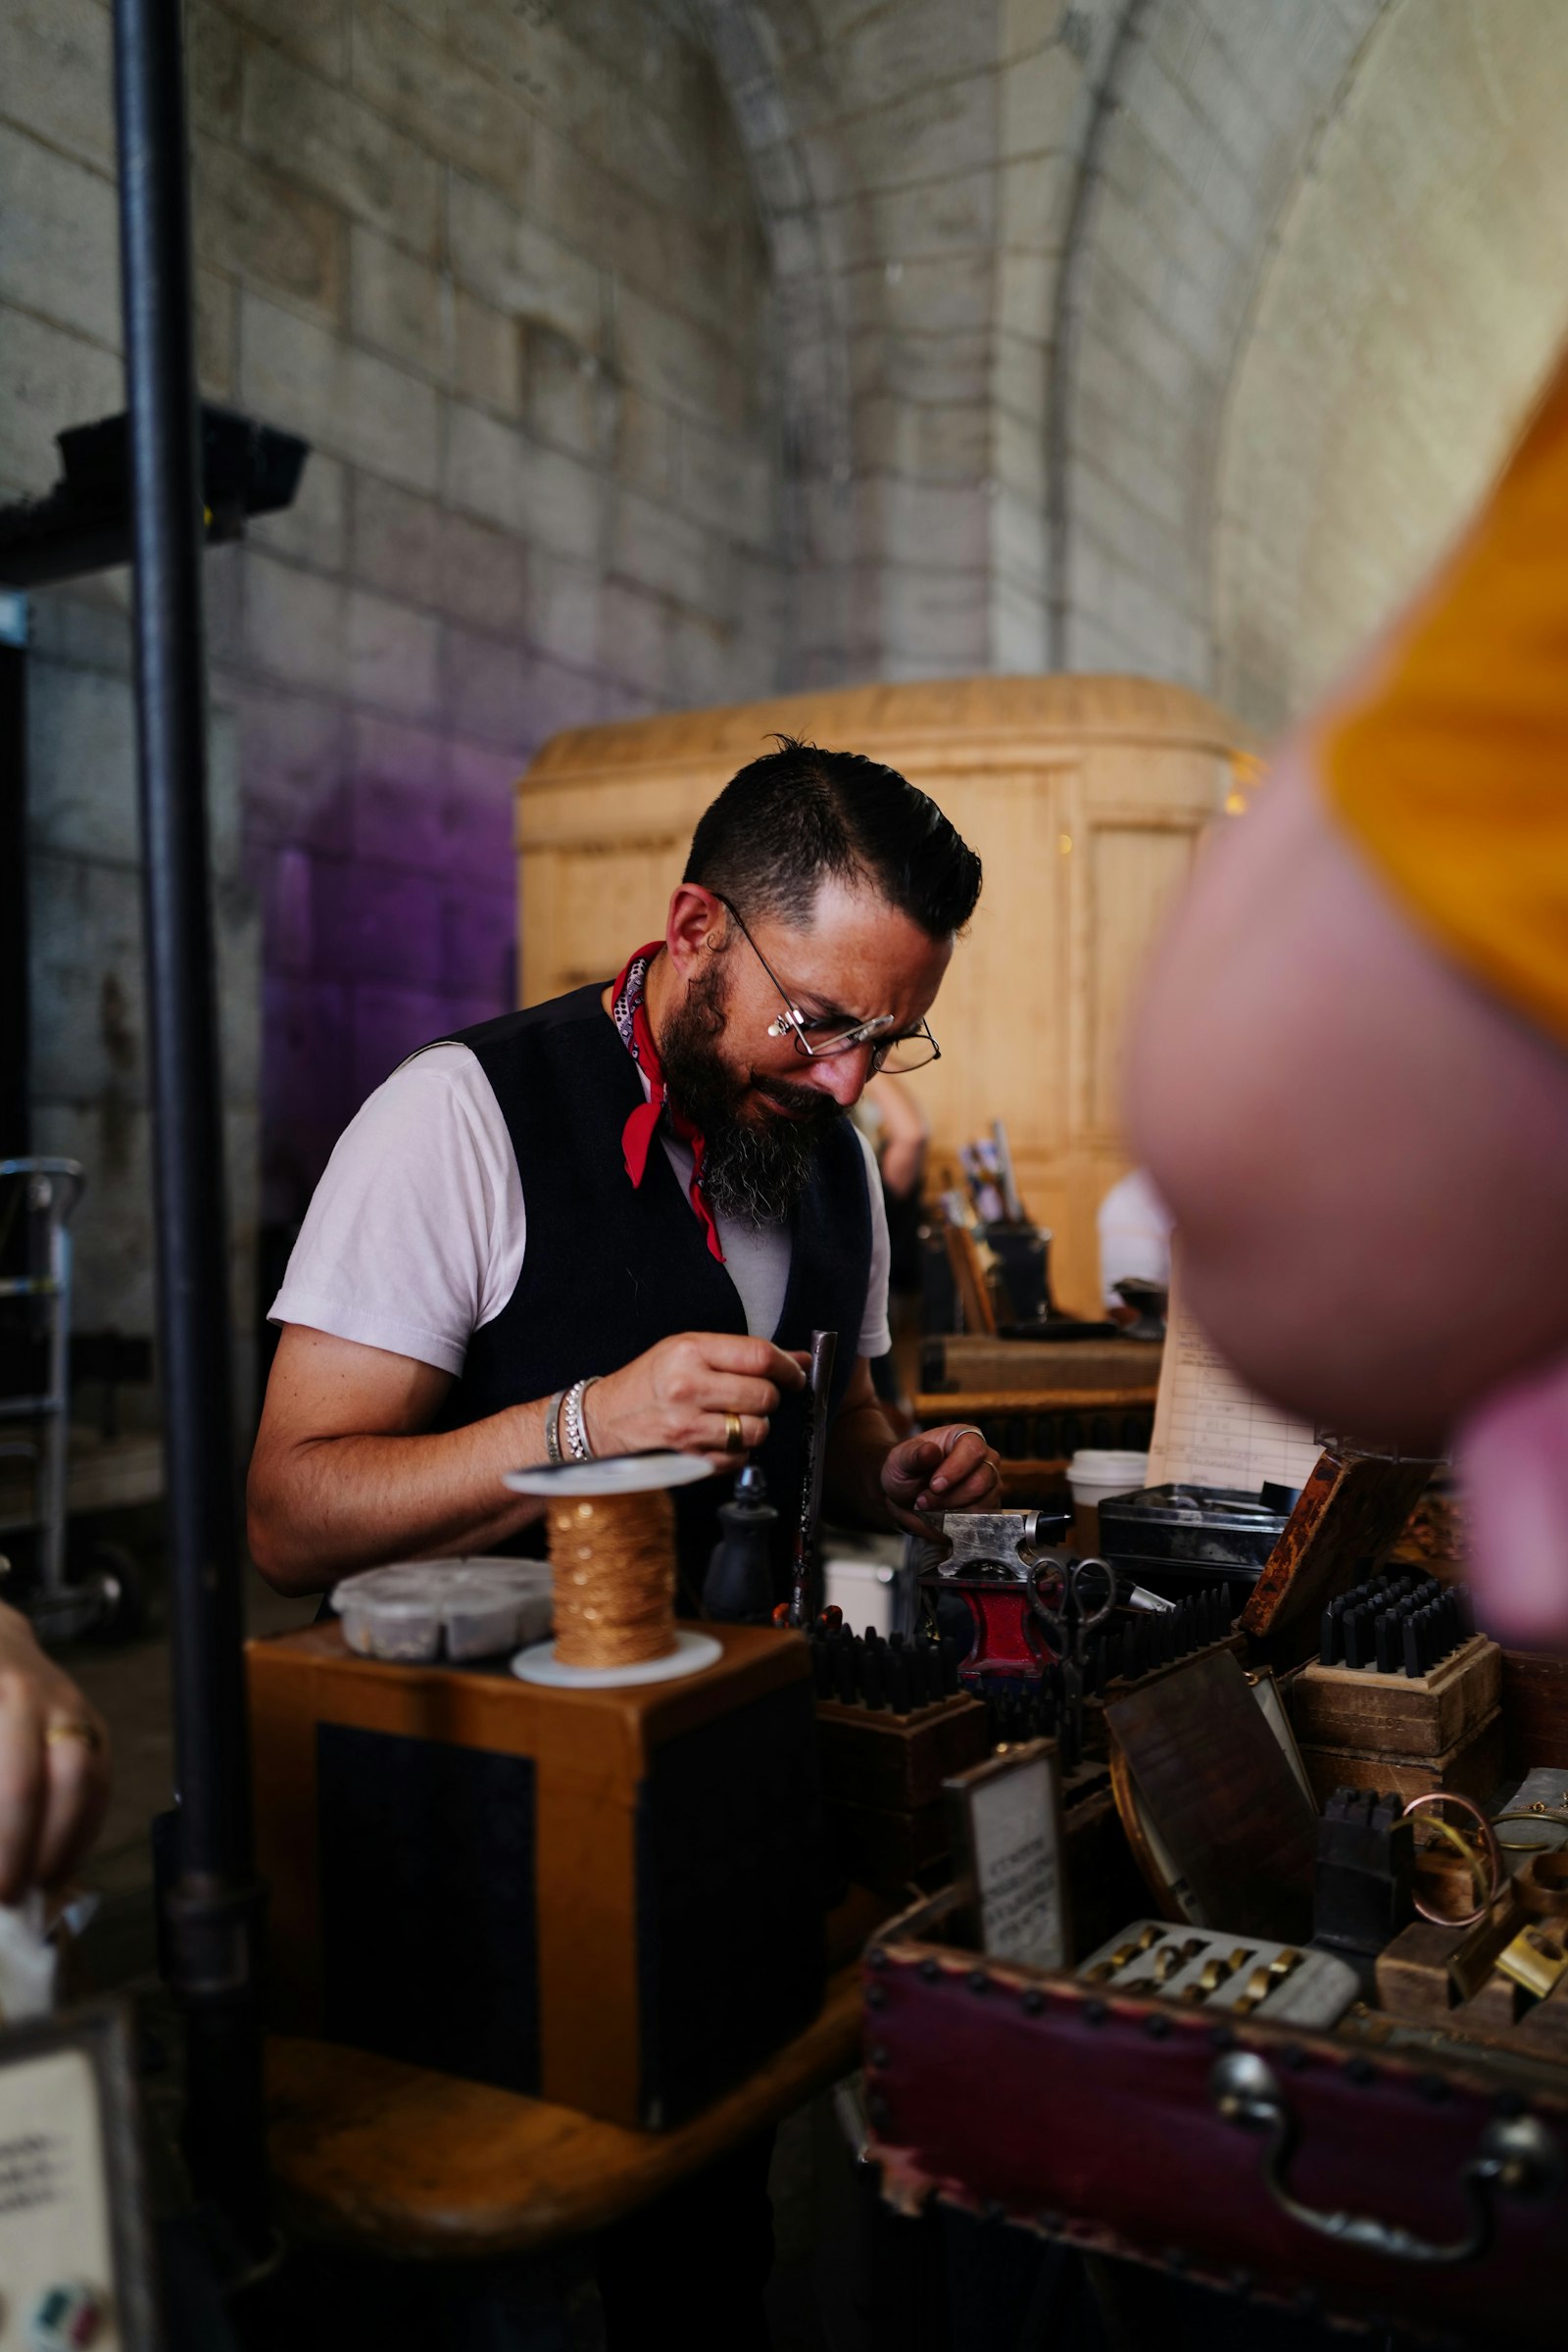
<point x="1133" y="2127"/>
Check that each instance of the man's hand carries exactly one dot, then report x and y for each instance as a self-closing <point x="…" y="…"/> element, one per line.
<point x="950" y="1469"/>
<point x="348" y="1470"/>
<point x="54" y="1765"/>
<point x="676" y="1397"/>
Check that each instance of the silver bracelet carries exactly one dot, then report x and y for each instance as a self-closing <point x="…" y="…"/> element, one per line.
<point x="576" y="1426"/>
<point x="553" y="1451"/>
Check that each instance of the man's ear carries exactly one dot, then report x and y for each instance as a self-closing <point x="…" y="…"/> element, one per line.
<point x="694" y="929"/>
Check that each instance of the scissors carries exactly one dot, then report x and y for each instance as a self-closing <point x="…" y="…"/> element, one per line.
<point x="1068" y="1615"/>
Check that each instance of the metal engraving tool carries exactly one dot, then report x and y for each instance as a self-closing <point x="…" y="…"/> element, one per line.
<point x="825" y="1346"/>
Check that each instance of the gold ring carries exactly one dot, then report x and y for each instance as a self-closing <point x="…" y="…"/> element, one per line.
<point x="75" y="1728"/>
<point x="734" y="1433"/>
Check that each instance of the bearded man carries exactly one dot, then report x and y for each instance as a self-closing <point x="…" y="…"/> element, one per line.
<point x="611" y="1222"/>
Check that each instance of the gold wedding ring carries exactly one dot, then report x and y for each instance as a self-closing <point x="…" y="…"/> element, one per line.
<point x="85" y="1734"/>
<point x="734" y="1434"/>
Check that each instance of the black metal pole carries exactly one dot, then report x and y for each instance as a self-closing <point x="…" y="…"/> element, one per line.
<point x="210" y="1912"/>
<point x="15" y="1087"/>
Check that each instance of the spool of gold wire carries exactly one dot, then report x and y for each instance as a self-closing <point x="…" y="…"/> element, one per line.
<point x="613" y="1558"/>
<point x="612" y="1526"/>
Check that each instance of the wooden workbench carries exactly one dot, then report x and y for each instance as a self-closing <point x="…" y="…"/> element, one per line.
<point x="1038" y="1401"/>
<point x="400" y="2160"/>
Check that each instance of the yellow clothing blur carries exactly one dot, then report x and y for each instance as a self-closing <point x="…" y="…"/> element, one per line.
<point x="1450" y="762"/>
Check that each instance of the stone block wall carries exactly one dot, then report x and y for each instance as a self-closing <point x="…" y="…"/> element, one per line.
<point x="502" y="269"/>
<point x="500" y="265"/>
<point x="90" y="1032"/>
<point x="1217" y="106"/>
<point x="1422" y="257"/>
<point x="913" y="161"/>
<point x="671" y="352"/>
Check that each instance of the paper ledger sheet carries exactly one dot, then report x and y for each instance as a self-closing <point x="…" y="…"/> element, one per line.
<point x="1210" y="1430"/>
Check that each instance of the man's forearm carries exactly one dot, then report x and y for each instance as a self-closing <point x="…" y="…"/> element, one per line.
<point x="858" y="1446"/>
<point x="327" y="1507"/>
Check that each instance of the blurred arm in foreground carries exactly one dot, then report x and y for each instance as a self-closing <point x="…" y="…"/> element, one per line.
<point x="54" y="1765"/>
<point x="1349" y="1066"/>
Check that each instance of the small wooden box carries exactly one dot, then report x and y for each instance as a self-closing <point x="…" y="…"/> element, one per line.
<point x="1359" y="1728"/>
<point x="871" y="1757"/>
<point x="882" y="1777"/>
<point x="1472" y="1767"/>
<point x="1398" y="1714"/>
<point x="611" y="1899"/>
<point x="1534" y="1709"/>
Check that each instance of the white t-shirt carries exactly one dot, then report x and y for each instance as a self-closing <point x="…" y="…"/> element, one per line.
<point x="414" y="1237"/>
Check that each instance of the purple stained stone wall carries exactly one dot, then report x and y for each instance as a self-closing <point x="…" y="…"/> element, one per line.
<point x="389" y="920"/>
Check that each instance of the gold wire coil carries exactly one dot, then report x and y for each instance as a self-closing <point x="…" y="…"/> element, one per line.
<point x="1543" y="1817"/>
<point x="613" y="1559"/>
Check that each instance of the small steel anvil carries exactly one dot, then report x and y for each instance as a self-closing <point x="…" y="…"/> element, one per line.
<point x="992" y="1559"/>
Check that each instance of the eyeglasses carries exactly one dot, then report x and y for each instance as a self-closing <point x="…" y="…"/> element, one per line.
<point x="821" y="1040"/>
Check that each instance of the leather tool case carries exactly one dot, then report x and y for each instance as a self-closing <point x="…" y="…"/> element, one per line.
<point x="1383" y="2172"/>
<point x="1307" y="2169"/>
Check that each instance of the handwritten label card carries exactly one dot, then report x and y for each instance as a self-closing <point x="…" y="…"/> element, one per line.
<point x="54" y="2194"/>
<point x="1010" y="1838"/>
<point x="76" y="2266"/>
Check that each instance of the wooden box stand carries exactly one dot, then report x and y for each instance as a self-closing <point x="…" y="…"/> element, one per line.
<point x="1359" y="1728"/>
<point x="610" y="1899"/>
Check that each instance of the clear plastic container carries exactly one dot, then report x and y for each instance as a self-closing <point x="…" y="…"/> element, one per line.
<point x="469" y="1608"/>
<point x="391" y="1614"/>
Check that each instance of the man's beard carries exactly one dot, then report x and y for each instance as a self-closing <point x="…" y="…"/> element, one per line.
<point x="753" y="1169"/>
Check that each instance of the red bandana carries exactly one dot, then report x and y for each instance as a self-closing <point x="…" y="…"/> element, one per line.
<point x="629" y="1012"/>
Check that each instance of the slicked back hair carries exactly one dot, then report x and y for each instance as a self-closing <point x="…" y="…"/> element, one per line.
<point x="800" y="815"/>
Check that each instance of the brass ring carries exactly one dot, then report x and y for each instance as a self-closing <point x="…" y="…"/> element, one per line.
<point x="734" y="1433"/>
<point x="1489" y="1846"/>
<point x="75" y="1728"/>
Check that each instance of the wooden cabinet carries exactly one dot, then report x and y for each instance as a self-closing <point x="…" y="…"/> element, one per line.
<point x="1085" y="798"/>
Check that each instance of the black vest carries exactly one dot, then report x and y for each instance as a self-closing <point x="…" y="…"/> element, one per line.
<point x="610" y="1268"/>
